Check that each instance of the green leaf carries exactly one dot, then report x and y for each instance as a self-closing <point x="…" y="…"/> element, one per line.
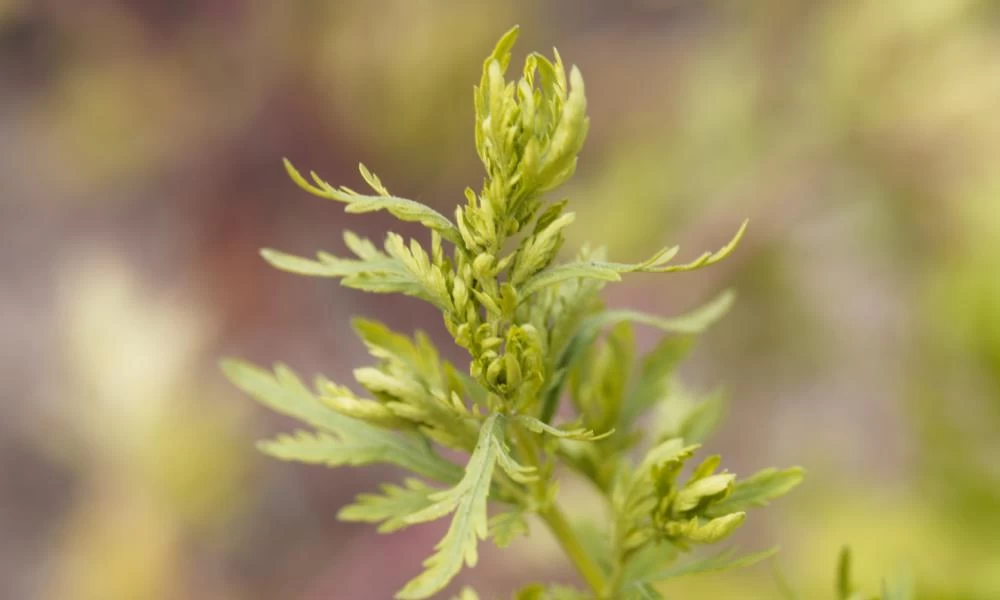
<point x="369" y="411"/>
<point x="689" y="323"/>
<point x="655" y="376"/>
<point x="501" y="52"/>
<point x="577" y="433"/>
<point x="373" y="271"/>
<point x="601" y="378"/>
<point x="391" y="507"/>
<point x="418" y="357"/>
<point x="538" y="250"/>
<point x="469" y="524"/>
<point x="401" y="208"/>
<point x="706" y="532"/>
<point x="670" y="450"/>
<point x="347" y="441"/>
<point x="506" y="526"/>
<point x="648" y="561"/>
<point x="612" y="271"/>
<point x="410" y="380"/>
<point x="724" y="560"/>
<point x="710" y="258"/>
<point x="692" y="322"/>
<point x="516" y="471"/>
<point x="681" y="414"/>
<point x="703" y="418"/>
<point x="698" y="491"/>
<point x="591" y="269"/>
<point x="759" y="489"/>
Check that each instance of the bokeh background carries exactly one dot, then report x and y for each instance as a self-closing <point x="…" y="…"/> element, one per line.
<point x="140" y="147"/>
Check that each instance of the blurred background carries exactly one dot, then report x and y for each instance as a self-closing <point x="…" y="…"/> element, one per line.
<point x="140" y="171"/>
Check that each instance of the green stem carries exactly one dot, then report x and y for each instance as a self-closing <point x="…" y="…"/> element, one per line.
<point x="558" y="524"/>
<point x="563" y="531"/>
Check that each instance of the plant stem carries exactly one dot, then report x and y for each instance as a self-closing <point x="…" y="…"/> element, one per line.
<point x="559" y="525"/>
<point x="561" y="528"/>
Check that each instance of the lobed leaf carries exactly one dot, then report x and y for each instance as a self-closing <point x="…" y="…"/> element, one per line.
<point x="706" y="532"/>
<point x="401" y="208"/>
<point x="579" y="433"/>
<point x="469" y="523"/>
<point x="612" y="271"/>
<point x="516" y="471"/>
<point x="655" y="376"/>
<point x="391" y="507"/>
<point x="681" y="414"/>
<point x="376" y="272"/>
<point x="690" y="323"/>
<point x="727" y="559"/>
<point x="759" y="489"/>
<point x="344" y="440"/>
<point x="506" y="526"/>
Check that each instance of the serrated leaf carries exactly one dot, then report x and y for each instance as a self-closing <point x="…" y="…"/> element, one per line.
<point x="326" y="265"/>
<point x="369" y="411"/>
<point x="570" y="132"/>
<point x="703" y="489"/>
<point x="706" y="532"/>
<point x="347" y="441"/>
<point x="689" y="323"/>
<point x="692" y="322"/>
<point x="391" y="507"/>
<point x="600" y="270"/>
<point x="417" y="357"/>
<point x="381" y="274"/>
<point x="669" y="450"/>
<point x="649" y="560"/>
<point x="410" y="381"/>
<point x="577" y="433"/>
<point x="538" y="250"/>
<point x="516" y="471"/>
<point x="759" y="489"/>
<point x="710" y="258"/>
<point x="401" y="208"/>
<point x="599" y="383"/>
<point x="727" y="559"/>
<point x="612" y="271"/>
<point x="506" y="526"/>
<point x="469" y="523"/>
